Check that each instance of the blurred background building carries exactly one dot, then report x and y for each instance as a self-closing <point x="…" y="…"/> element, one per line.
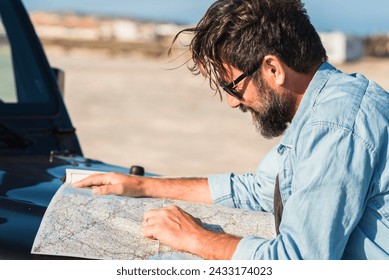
<point x="153" y="39"/>
<point x="112" y="35"/>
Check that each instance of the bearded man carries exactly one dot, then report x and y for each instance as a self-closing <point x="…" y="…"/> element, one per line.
<point x="327" y="182"/>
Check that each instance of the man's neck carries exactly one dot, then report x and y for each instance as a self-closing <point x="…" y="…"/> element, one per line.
<point x="299" y="83"/>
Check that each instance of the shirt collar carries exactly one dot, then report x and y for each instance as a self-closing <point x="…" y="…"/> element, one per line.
<point x="314" y="88"/>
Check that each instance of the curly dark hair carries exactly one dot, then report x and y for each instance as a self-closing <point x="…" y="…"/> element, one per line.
<point x="242" y="32"/>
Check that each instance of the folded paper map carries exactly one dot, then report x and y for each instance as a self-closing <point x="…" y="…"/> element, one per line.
<point x="80" y="224"/>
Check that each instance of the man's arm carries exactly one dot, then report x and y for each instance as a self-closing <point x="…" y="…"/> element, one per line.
<point x="187" y="189"/>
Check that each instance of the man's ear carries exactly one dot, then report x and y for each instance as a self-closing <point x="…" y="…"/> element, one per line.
<point x="274" y="70"/>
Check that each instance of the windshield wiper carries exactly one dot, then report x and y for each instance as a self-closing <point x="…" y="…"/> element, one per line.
<point x="13" y="138"/>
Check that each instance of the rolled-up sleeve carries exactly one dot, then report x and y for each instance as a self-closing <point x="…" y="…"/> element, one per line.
<point x="244" y="250"/>
<point x="247" y="191"/>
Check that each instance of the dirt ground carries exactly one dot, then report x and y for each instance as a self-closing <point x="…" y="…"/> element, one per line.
<point x="139" y="111"/>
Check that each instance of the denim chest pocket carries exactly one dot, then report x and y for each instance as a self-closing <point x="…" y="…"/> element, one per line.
<point x="285" y="173"/>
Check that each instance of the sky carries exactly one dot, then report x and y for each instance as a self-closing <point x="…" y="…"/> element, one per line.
<point x="355" y="17"/>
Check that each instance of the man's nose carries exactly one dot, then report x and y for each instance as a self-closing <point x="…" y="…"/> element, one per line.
<point x="233" y="102"/>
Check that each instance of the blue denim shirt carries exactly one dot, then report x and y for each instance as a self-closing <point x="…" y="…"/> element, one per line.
<point x="333" y="171"/>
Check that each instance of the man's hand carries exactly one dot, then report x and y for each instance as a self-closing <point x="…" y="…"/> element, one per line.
<point x="179" y="230"/>
<point x="113" y="183"/>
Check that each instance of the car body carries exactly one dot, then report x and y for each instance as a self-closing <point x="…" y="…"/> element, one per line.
<point x="37" y="138"/>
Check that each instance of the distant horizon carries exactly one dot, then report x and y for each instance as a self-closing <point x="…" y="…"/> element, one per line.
<point x="352" y="17"/>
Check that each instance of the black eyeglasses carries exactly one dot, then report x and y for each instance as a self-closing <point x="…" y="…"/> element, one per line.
<point x="230" y="88"/>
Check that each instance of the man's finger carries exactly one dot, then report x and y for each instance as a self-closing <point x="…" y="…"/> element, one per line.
<point x="92" y="180"/>
<point x="149" y="226"/>
<point x="149" y="231"/>
<point x="150" y="213"/>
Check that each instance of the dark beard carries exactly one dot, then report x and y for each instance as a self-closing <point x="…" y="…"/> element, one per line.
<point x="273" y="111"/>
